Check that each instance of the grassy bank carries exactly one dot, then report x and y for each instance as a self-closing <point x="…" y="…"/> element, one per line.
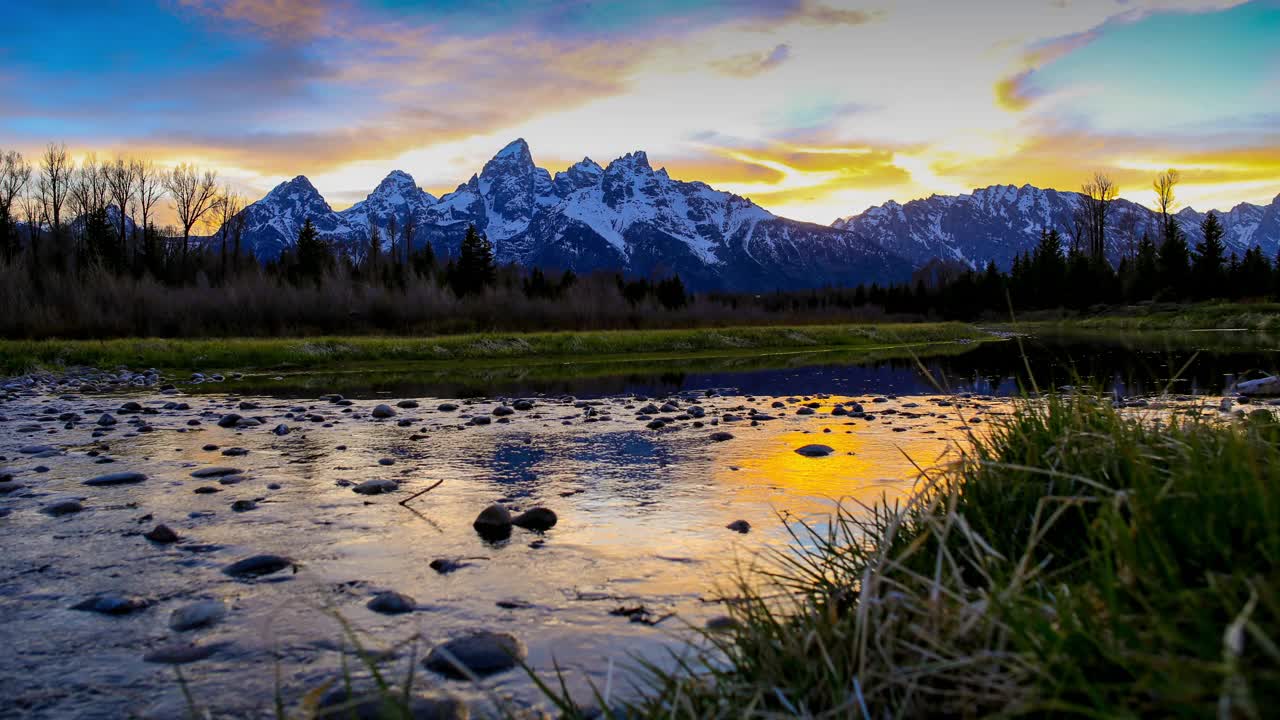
<point x="1259" y="317"/>
<point x="1075" y="562"/>
<point x="329" y="352"/>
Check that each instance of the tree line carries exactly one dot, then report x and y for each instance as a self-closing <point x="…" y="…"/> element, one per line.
<point x="1073" y="270"/>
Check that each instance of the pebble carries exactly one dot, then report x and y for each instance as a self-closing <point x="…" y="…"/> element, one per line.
<point x="120" y="478"/>
<point x="197" y="615"/>
<point x="180" y="653"/>
<point x="493" y="521"/>
<point x="480" y="654"/>
<point x="538" y="518"/>
<point x="215" y="471"/>
<point x="815" y="451"/>
<point x="376" y="487"/>
<point x="382" y="412"/>
<point x="111" y="604"/>
<point x="721" y="436"/>
<point x="229" y="420"/>
<point x="62" y="507"/>
<point x="392" y="603"/>
<point x="258" y="565"/>
<point x="739" y="526"/>
<point x="161" y="534"/>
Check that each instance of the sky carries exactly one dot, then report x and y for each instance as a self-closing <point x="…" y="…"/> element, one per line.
<point x="815" y="109"/>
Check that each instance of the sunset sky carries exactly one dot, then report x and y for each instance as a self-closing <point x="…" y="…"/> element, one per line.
<point x="813" y="108"/>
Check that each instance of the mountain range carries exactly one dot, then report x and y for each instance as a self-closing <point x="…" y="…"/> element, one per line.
<point x="628" y="217"/>
<point x="625" y="216"/>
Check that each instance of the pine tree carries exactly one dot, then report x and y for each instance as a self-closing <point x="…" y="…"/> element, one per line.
<point x="1207" y="267"/>
<point x="314" y="257"/>
<point x="1174" y="261"/>
<point x="475" y="270"/>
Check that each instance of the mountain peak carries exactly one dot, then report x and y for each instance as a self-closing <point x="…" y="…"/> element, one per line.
<point x="638" y="161"/>
<point x="397" y="177"/>
<point x="517" y="149"/>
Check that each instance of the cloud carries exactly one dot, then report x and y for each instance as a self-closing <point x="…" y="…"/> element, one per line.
<point x="751" y="64"/>
<point x="293" y="17"/>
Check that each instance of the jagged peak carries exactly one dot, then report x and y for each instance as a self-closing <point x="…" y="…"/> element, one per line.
<point x="299" y="183"/>
<point x="638" y="160"/>
<point x="397" y="177"/>
<point x="515" y="148"/>
<point x="586" y="165"/>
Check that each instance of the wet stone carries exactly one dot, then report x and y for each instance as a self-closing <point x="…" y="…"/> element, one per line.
<point x="480" y="654"/>
<point x="215" y="471"/>
<point x="376" y="487"/>
<point x="392" y="603"/>
<point x="815" y="451"/>
<point x="111" y="604"/>
<point x="197" y="615"/>
<point x="180" y="653"/>
<point x="538" y="518"/>
<point x="162" y="534"/>
<point x="120" y="478"/>
<point x="229" y="420"/>
<point x="257" y="566"/>
<point x="739" y="526"/>
<point x="62" y="507"/>
<point x="382" y="412"/>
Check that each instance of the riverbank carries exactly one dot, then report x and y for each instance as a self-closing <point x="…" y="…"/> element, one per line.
<point x="1078" y="560"/>
<point x="243" y="354"/>
<point x="1256" y="317"/>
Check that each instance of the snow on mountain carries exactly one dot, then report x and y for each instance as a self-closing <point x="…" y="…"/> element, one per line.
<point x="397" y="197"/>
<point x="626" y="217"/>
<point x="1002" y="221"/>
<point x="272" y="224"/>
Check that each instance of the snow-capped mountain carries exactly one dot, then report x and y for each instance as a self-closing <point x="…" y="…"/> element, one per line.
<point x="625" y="216"/>
<point x="271" y="225"/>
<point x="1002" y="221"/>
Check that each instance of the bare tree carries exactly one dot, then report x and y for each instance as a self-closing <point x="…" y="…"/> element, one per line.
<point x="15" y="174"/>
<point x="410" y="230"/>
<point x="122" y="181"/>
<point x="150" y="180"/>
<point x="54" y="184"/>
<point x="1098" y="196"/>
<point x="1164" y="185"/>
<point x="194" y="194"/>
<point x="229" y="205"/>
<point x="34" y="218"/>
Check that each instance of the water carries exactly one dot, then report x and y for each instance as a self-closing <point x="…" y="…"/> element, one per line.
<point x="642" y="513"/>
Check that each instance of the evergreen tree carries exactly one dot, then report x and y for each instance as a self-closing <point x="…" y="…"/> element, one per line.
<point x="313" y="255"/>
<point x="1207" y="267"/>
<point x="1253" y="277"/>
<point x="475" y="270"/>
<point x="1174" y="261"/>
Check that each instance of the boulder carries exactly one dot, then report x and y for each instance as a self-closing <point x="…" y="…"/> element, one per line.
<point x="479" y="654"/>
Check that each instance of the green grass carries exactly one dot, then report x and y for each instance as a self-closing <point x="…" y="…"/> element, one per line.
<point x="331" y="352"/>
<point x="1074" y="562"/>
<point x="1259" y="317"/>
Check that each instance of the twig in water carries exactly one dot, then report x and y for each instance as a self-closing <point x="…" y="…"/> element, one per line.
<point x="421" y="492"/>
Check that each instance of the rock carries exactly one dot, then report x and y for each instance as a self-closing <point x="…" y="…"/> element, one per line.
<point x="8" y="486"/>
<point x="130" y="407"/>
<point x="215" y="471"/>
<point x="721" y="623"/>
<point x="444" y="566"/>
<point x="229" y="420"/>
<point x="804" y="411"/>
<point x="197" y="615"/>
<point x="1269" y="385"/>
<point x="407" y="404"/>
<point x="656" y="424"/>
<point x="62" y="507"/>
<point x="815" y="451"/>
<point x="343" y="703"/>
<point x="538" y="518"/>
<point x="503" y="411"/>
<point x="649" y="409"/>
<point x="480" y="420"/>
<point x="180" y="653"/>
<point x="246" y="405"/>
<point x="243" y="505"/>
<point x="120" y="478"/>
<point x="721" y="436"/>
<point x="258" y="565"/>
<point x="36" y="449"/>
<point x="493" y="522"/>
<point x="105" y="420"/>
<point x="206" y="490"/>
<point x="281" y="429"/>
<point x="522" y="405"/>
<point x="446" y="407"/>
<point x="479" y="654"/>
<point x="162" y="534"/>
<point x="383" y="412"/>
<point x="376" y="487"/>
<point x="392" y="603"/>
<point x="386" y="461"/>
<point x="235" y="452"/>
<point x="111" y="604"/>
<point x="739" y="526"/>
